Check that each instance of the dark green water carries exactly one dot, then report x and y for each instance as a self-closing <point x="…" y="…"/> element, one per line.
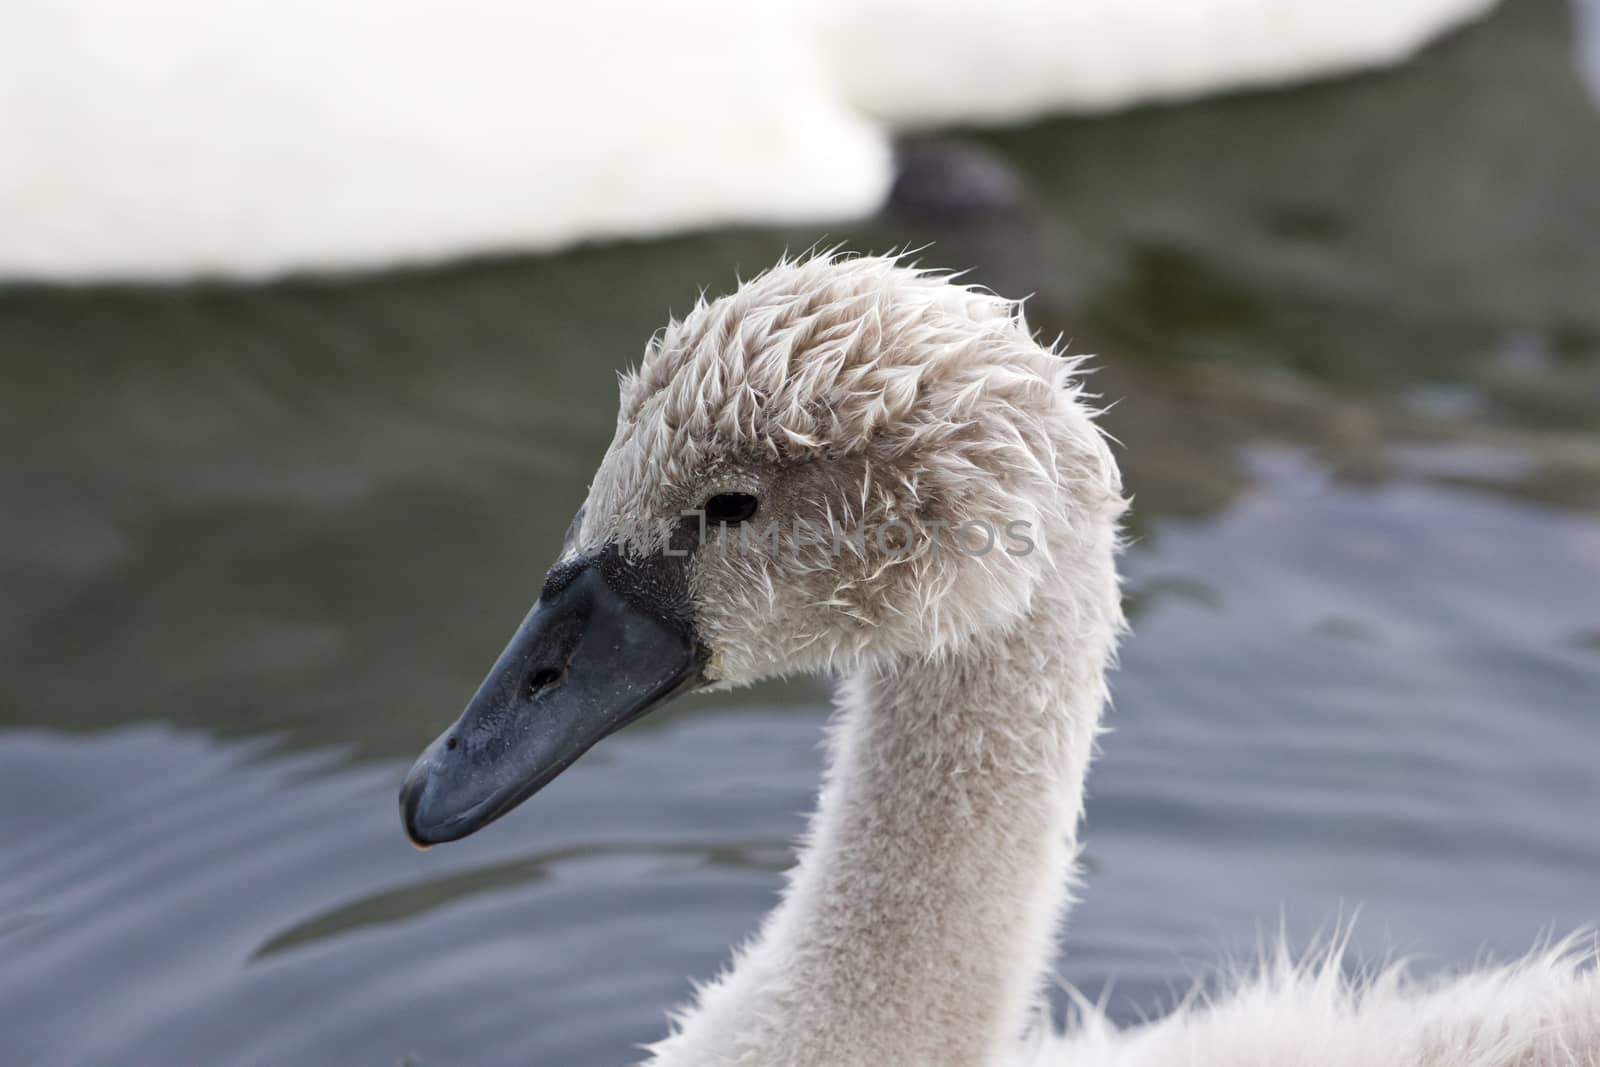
<point x="259" y="545"/>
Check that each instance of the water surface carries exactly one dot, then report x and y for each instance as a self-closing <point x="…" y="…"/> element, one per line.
<point x="260" y="545"/>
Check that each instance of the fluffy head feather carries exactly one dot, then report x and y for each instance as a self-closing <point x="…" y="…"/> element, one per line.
<point x="873" y="408"/>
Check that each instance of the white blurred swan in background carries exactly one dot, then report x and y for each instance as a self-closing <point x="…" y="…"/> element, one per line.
<point x="248" y="139"/>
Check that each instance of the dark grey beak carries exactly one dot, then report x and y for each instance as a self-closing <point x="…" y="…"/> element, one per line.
<point x="609" y="639"/>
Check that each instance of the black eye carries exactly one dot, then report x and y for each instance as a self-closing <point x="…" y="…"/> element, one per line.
<point x="730" y="509"/>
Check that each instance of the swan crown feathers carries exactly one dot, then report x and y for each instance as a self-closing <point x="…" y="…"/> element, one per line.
<point x="830" y="353"/>
<point x="910" y="423"/>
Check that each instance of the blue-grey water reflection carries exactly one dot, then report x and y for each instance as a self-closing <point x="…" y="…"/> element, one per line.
<point x="260" y="545"/>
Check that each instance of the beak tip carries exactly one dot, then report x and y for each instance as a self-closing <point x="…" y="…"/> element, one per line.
<point x="411" y="794"/>
<point x="428" y="812"/>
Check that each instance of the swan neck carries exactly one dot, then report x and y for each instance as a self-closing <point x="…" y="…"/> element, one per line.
<point x="920" y="921"/>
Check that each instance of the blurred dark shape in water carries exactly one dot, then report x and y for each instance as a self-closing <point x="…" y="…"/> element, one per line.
<point x="945" y="180"/>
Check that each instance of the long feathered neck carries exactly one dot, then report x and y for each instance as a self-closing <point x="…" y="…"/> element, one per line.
<point x="920" y="919"/>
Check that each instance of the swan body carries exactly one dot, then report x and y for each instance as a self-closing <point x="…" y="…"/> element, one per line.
<point x="1539" y="1012"/>
<point x="959" y="61"/>
<point x="249" y="140"/>
<point x="919" y="923"/>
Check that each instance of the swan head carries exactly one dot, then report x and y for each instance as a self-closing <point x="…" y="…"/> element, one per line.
<point x="845" y="461"/>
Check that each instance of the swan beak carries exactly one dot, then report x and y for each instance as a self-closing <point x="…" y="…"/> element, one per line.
<point x="609" y="639"/>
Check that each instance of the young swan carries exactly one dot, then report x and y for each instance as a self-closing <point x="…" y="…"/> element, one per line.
<point x="900" y="484"/>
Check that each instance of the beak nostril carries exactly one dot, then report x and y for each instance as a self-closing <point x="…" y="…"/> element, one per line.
<point x="544" y="679"/>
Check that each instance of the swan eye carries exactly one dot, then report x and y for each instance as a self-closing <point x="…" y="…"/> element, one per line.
<point x="730" y="509"/>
